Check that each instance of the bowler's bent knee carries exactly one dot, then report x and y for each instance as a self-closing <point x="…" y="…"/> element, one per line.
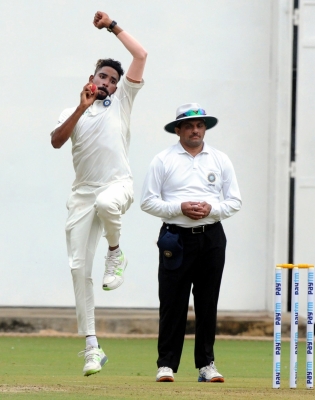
<point x="105" y="207"/>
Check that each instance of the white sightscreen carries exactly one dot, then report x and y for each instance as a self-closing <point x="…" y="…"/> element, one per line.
<point x="214" y="52"/>
<point x="304" y="251"/>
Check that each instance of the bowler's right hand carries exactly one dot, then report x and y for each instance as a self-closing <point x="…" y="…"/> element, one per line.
<point x="87" y="97"/>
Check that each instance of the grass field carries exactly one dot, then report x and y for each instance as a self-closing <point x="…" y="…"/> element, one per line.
<point x="48" y="368"/>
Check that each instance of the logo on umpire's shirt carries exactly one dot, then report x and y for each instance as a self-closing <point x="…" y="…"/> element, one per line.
<point x="211" y="177"/>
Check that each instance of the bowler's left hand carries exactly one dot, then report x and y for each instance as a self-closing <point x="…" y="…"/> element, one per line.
<point x="101" y="20"/>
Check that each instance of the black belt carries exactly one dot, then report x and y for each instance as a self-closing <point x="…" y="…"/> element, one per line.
<point x="190" y="231"/>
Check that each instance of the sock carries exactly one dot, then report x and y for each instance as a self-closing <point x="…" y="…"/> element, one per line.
<point x="91" y="341"/>
<point x="116" y="252"/>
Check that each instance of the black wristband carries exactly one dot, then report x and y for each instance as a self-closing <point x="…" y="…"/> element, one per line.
<point x="111" y="26"/>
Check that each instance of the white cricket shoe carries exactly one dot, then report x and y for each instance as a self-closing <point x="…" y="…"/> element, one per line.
<point x="165" y="374"/>
<point x="114" y="271"/>
<point x="210" y="374"/>
<point x="95" y="358"/>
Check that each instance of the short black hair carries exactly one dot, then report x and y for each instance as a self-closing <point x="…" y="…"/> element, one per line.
<point x="109" y="62"/>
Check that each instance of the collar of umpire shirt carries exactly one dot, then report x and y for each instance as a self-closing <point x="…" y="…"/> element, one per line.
<point x="181" y="150"/>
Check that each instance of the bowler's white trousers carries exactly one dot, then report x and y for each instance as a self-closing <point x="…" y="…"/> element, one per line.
<point x="91" y="211"/>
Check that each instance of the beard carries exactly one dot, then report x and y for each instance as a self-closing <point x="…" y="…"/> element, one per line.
<point x="102" y="93"/>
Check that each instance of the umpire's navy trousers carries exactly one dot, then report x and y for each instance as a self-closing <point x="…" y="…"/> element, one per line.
<point x="202" y="268"/>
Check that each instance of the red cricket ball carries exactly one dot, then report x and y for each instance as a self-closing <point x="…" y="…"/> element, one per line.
<point x="93" y="88"/>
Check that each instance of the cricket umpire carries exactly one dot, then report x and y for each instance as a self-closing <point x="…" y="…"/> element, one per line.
<point x="183" y="187"/>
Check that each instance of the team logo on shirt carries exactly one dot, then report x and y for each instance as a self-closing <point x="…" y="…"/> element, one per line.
<point x="211" y="177"/>
<point x="107" y="103"/>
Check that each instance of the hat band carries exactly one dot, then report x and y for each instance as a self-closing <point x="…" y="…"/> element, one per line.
<point x="192" y="113"/>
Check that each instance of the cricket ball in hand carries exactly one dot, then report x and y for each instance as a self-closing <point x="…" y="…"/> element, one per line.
<point x="93" y="88"/>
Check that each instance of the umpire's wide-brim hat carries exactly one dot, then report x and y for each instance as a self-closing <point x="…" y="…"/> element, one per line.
<point x="188" y="111"/>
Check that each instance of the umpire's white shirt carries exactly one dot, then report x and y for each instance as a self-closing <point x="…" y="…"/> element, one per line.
<point x="175" y="176"/>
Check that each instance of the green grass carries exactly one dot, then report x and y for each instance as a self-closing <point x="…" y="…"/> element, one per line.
<point x="48" y="368"/>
